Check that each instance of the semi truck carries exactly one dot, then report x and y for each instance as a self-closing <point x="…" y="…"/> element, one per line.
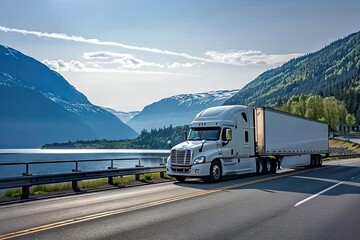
<point x="232" y="140"/>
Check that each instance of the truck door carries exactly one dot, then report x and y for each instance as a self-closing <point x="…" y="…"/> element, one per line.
<point x="243" y="126"/>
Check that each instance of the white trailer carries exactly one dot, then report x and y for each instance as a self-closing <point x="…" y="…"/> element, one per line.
<point x="233" y="140"/>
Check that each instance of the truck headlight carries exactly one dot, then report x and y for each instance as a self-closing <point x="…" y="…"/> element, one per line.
<point x="199" y="160"/>
<point x="168" y="161"/>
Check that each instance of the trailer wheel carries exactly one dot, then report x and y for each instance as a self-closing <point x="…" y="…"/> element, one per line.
<point x="312" y="161"/>
<point x="273" y="166"/>
<point x="180" y="178"/>
<point x="215" y="171"/>
<point x="260" y="166"/>
<point x="320" y="161"/>
<point x="268" y="165"/>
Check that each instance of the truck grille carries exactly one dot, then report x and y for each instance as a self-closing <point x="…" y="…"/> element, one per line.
<point x="180" y="157"/>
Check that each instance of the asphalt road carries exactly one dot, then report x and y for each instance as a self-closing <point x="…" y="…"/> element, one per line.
<point x="321" y="203"/>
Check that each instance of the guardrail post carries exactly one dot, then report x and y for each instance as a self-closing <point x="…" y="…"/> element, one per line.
<point x="26" y="173"/>
<point x="25" y="192"/>
<point x="74" y="185"/>
<point x="137" y="176"/>
<point x="111" y="179"/>
<point x="162" y="174"/>
<point x="76" y="167"/>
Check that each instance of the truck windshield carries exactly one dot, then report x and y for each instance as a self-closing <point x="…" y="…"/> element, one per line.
<point x="210" y="133"/>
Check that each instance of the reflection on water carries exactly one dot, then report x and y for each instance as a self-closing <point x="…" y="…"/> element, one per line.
<point x="31" y="155"/>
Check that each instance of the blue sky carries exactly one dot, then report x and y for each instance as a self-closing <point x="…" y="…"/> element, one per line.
<point x="127" y="54"/>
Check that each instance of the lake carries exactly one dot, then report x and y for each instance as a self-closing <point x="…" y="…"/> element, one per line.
<point x="31" y="155"/>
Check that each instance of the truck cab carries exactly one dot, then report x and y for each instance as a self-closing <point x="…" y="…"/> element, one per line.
<point x="220" y="143"/>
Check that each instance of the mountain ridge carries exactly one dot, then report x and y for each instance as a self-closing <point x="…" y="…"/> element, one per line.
<point x="177" y="110"/>
<point x="31" y="81"/>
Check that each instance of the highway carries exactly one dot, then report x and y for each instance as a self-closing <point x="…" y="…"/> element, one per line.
<point x="322" y="203"/>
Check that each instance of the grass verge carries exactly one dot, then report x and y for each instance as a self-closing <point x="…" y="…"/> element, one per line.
<point x="86" y="184"/>
<point x="345" y="145"/>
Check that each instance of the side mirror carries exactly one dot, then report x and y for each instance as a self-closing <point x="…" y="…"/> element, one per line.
<point x="185" y="135"/>
<point x="202" y="145"/>
<point x="169" y="143"/>
<point x="228" y="134"/>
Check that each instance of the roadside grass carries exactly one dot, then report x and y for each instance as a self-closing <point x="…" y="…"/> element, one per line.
<point x="86" y="184"/>
<point x="345" y="145"/>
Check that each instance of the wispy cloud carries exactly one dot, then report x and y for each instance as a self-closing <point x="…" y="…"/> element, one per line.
<point x="61" y="65"/>
<point x="249" y="57"/>
<point x="177" y="65"/>
<point x="76" y="66"/>
<point x="66" y="37"/>
<point x="122" y="60"/>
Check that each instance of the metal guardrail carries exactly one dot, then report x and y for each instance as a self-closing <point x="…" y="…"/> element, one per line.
<point x="27" y="179"/>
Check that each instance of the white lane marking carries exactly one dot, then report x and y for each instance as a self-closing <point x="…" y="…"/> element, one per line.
<point x="317" y="194"/>
<point x="317" y="179"/>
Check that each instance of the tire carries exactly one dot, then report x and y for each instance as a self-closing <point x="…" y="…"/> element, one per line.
<point x="320" y="161"/>
<point x="317" y="161"/>
<point x="180" y="178"/>
<point x="312" y="161"/>
<point x="260" y="166"/>
<point x="268" y="165"/>
<point x="215" y="171"/>
<point x="273" y="166"/>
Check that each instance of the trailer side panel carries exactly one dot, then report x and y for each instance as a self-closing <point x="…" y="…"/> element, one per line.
<point x="280" y="133"/>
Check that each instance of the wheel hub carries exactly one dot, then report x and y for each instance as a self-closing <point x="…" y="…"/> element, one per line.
<point x="216" y="172"/>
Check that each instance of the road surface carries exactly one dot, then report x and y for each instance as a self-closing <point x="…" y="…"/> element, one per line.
<point x="321" y="203"/>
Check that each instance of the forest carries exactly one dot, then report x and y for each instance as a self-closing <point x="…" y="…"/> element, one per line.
<point x="326" y="109"/>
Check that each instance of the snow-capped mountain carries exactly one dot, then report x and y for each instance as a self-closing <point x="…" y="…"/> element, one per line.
<point x="123" y="116"/>
<point x="178" y="110"/>
<point x="38" y="106"/>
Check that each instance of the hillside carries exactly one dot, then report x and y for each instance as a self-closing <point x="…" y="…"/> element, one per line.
<point x="331" y="71"/>
<point x="177" y="110"/>
<point x="37" y="105"/>
<point x="154" y="139"/>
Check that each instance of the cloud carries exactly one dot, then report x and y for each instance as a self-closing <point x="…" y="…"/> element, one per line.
<point x="235" y="57"/>
<point x="249" y="57"/>
<point x="76" y="66"/>
<point x="122" y="60"/>
<point x="177" y="65"/>
<point x="66" y="37"/>
<point x="61" y="65"/>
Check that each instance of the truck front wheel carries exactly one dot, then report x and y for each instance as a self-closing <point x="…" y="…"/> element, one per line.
<point x="260" y="166"/>
<point x="215" y="171"/>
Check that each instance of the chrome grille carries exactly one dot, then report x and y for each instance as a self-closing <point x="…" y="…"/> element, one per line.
<point x="180" y="157"/>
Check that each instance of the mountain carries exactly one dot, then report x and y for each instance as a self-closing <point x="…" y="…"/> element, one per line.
<point x="331" y="71"/>
<point x="38" y="106"/>
<point x="123" y="116"/>
<point x="177" y="110"/>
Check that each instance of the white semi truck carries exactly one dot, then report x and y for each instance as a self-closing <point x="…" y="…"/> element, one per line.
<point x="233" y="140"/>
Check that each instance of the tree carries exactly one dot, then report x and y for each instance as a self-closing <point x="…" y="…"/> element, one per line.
<point x="350" y="120"/>
<point x="314" y="107"/>
<point x="331" y="112"/>
<point x="327" y="109"/>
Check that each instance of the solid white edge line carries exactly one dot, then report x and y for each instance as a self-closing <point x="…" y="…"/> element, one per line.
<point x="317" y="194"/>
